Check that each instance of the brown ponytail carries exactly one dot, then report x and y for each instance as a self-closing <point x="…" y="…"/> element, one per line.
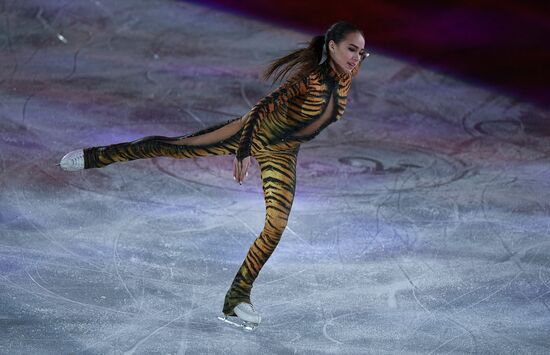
<point x="298" y="62"/>
<point x="302" y="61"/>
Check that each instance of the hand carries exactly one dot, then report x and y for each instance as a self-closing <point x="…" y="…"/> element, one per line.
<point x="240" y="169"/>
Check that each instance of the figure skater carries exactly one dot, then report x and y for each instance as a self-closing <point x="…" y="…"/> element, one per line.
<point x="313" y="97"/>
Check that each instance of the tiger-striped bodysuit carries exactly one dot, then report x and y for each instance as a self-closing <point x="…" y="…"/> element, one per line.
<point x="272" y="133"/>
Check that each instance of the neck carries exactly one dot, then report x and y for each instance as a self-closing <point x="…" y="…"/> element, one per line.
<point x="335" y="67"/>
<point x="334" y="70"/>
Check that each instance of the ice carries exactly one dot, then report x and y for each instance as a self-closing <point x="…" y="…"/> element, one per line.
<point x="420" y="223"/>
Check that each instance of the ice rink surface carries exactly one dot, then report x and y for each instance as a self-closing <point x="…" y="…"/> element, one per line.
<point x="420" y="223"/>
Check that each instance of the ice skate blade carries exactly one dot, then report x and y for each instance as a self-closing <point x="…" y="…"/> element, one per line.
<point x="248" y="326"/>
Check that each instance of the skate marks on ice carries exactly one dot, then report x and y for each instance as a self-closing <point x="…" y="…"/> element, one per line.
<point x="419" y="225"/>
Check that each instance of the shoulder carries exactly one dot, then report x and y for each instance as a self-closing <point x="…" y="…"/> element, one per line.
<point x="298" y="82"/>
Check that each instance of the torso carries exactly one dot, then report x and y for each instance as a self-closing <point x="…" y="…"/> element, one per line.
<point x="316" y="125"/>
<point x="304" y="116"/>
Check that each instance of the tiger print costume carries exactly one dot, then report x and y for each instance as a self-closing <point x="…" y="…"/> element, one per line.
<point x="272" y="133"/>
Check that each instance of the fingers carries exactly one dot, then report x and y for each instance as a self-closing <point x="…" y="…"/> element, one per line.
<point x="238" y="172"/>
<point x="240" y="169"/>
<point x="244" y="169"/>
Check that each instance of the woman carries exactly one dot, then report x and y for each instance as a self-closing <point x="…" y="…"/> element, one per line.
<point x="314" y="97"/>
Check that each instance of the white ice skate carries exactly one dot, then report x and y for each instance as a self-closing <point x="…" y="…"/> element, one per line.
<point x="73" y="161"/>
<point x="247" y="317"/>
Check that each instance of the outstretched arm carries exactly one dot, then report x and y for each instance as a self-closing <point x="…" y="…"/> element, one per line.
<point x="268" y="104"/>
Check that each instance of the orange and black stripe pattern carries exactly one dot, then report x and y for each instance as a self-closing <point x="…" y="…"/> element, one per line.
<point x="159" y="146"/>
<point x="294" y="105"/>
<point x="267" y="135"/>
<point x="278" y="172"/>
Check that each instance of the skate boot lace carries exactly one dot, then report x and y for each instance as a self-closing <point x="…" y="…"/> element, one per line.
<point x="77" y="160"/>
<point x="72" y="161"/>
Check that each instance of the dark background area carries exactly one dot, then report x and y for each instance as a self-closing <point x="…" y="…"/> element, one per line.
<point x="503" y="45"/>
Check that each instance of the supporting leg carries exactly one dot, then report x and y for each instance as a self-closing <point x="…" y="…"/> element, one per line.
<point x="278" y="171"/>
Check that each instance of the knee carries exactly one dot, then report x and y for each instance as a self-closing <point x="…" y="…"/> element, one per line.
<point x="276" y="226"/>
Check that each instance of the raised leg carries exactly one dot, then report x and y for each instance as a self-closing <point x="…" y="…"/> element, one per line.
<point x="206" y="137"/>
<point x="278" y="171"/>
<point x="220" y="139"/>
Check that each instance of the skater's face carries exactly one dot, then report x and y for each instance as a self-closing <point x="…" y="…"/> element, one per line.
<point x="347" y="53"/>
